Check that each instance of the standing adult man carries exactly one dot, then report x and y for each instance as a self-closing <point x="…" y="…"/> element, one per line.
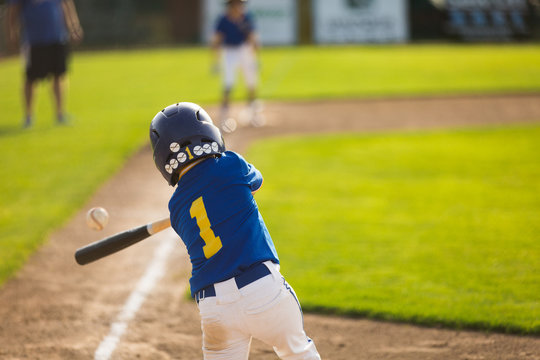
<point x="46" y="27"/>
<point x="235" y="36"/>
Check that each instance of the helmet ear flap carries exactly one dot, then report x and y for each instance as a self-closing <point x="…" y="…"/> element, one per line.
<point x="174" y="178"/>
<point x="154" y="138"/>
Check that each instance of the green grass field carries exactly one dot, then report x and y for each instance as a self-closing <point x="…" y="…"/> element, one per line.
<point x="48" y="172"/>
<point x="434" y="228"/>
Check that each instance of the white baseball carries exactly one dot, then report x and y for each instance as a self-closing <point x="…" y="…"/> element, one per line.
<point x="97" y="218"/>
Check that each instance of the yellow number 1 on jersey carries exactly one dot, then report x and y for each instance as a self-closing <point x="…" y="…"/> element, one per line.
<point x="213" y="242"/>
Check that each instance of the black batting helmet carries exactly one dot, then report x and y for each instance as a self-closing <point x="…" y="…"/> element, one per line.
<point x="180" y="134"/>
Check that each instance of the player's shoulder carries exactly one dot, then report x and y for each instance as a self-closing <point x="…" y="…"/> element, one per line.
<point x="231" y="154"/>
<point x="248" y="15"/>
<point x="221" y="20"/>
<point x="231" y="161"/>
<point x="232" y="157"/>
<point x="227" y="164"/>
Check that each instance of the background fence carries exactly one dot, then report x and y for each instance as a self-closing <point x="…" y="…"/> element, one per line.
<point x="125" y="23"/>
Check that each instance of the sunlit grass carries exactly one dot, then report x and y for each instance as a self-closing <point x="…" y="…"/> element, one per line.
<point x="48" y="172"/>
<point x="433" y="228"/>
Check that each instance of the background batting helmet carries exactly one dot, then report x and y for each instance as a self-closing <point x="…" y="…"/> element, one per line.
<point x="180" y="134"/>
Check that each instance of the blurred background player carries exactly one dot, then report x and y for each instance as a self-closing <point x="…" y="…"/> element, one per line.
<point x="236" y="41"/>
<point x="46" y="27"/>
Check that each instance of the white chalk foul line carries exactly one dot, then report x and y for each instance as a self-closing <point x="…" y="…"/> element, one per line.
<point x="154" y="272"/>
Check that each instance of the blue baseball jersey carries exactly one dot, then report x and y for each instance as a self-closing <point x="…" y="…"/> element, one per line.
<point x="217" y="218"/>
<point x="235" y="33"/>
<point x="42" y="21"/>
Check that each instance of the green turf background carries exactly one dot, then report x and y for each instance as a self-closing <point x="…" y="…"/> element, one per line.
<point x="47" y="174"/>
<point x="434" y="228"/>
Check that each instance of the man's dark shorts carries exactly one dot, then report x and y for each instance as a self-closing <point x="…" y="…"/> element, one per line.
<point x="44" y="60"/>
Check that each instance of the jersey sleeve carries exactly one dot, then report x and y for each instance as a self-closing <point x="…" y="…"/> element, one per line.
<point x="254" y="178"/>
<point x="250" y="22"/>
<point x="251" y="174"/>
<point x="220" y="25"/>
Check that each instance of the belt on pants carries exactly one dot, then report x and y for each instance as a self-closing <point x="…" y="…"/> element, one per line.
<point x="252" y="274"/>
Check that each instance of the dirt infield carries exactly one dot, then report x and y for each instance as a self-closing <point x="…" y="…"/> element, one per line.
<point x="55" y="309"/>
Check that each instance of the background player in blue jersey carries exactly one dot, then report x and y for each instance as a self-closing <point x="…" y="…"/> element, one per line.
<point x="236" y="41"/>
<point x="235" y="268"/>
<point x="47" y="26"/>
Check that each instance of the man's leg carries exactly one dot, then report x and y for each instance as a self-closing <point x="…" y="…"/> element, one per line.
<point x="230" y="58"/>
<point x="58" y="91"/>
<point x="255" y="109"/>
<point x="225" y="103"/>
<point x="28" y="102"/>
<point x="250" y="70"/>
<point x="252" y="95"/>
<point x="227" y="123"/>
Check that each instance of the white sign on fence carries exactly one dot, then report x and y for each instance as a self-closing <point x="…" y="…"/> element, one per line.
<point x="360" y="21"/>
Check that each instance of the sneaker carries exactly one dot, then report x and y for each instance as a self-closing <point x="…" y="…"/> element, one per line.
<point x="27" y="122"/>
<point x="62" y="120"/>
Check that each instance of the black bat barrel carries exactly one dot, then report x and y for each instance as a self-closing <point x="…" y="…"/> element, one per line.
<point x="110" y="245"/>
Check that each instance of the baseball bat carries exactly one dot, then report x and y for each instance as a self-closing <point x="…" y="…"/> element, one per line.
<point x="117" y="242"/>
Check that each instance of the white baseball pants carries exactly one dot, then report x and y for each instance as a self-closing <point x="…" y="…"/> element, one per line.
<point x="266" y="309"/>
<point x="239" y="57"/>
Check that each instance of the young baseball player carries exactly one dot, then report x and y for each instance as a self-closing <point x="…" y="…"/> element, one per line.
<point x="235" y="268"/>
<point x="236" y="41"/>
